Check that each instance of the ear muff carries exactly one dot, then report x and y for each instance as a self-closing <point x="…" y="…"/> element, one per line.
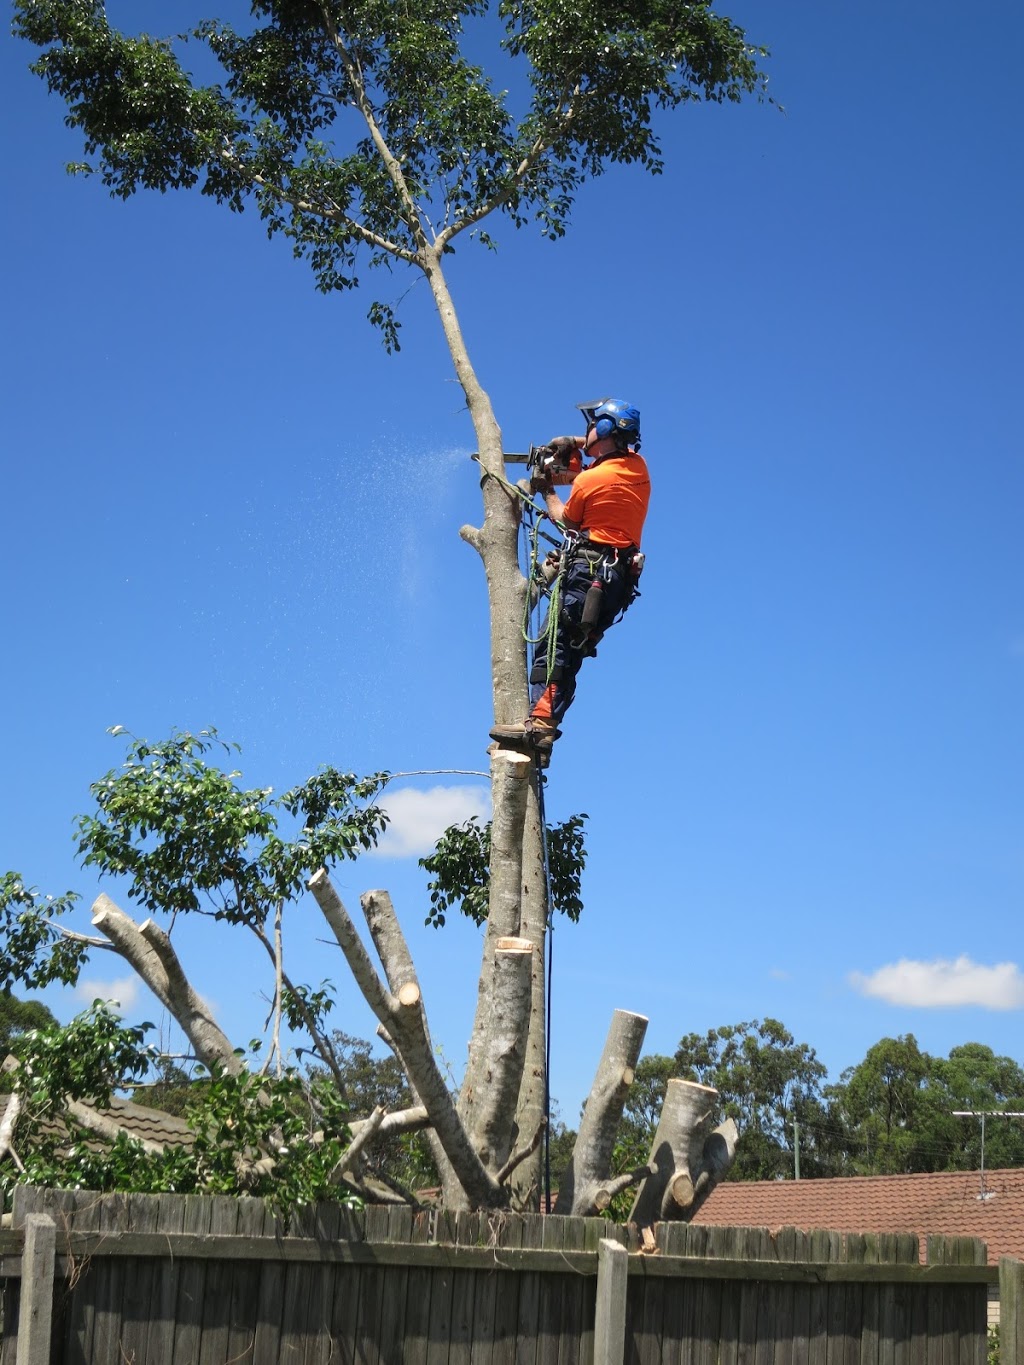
<point x="603" y="427"/>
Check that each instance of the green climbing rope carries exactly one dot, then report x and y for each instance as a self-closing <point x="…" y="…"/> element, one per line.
<point x="549" y="633"/>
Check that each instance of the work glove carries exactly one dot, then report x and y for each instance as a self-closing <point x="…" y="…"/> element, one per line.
<point x="563" y="446"/>
<point x="540" y="482"/>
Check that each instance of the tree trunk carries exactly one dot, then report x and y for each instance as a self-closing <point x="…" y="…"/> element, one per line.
<point x="531" y="1111"/>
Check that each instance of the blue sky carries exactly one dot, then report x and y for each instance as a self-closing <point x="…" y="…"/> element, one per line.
<point x="801" y="753"/>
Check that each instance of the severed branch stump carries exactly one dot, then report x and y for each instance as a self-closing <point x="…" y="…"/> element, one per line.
<point x="688" y="1157"/>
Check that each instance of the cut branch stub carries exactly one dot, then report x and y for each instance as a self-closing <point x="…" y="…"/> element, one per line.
<point x="687" y="1161"/>
<point x="588" y="1171"/>
<point x="149" y="952"/>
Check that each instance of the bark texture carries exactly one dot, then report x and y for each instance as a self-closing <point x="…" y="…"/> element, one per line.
<point x="149" y="952"/>
<point x="583" y="1187"/>
<point x="405" y="1021"/>
<point x="688" y="1158"/>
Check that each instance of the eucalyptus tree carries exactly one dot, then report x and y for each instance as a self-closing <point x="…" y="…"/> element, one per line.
<point x="364" y="135"/>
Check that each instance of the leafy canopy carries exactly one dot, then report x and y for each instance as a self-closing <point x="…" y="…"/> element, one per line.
<point x="459" y="875"/>
<point x="361" y="129"/>
<point x="187" y="837"/>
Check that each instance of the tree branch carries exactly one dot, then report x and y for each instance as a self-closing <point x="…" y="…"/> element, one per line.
<point x="362" y="101"/>
<point x="587" y="1172"/>
<point x="687" y="1161"/>
<point x="517" y="1158"/>
<point x="12" y="1113"/>
<point x="148" y="951"/>
<point x="564" y="116"/>
<point x="405" y="1020"/>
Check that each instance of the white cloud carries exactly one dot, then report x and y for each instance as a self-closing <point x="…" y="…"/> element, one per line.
<point x="124" y="990"/>
<point x="944" y="985"/>
<point x="419" y="818"/>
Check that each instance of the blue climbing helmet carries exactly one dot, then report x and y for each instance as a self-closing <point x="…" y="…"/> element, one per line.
<point x="614" y="417"/>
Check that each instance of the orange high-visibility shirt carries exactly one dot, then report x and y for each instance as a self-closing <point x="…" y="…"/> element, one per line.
<point x="609" y="500"/>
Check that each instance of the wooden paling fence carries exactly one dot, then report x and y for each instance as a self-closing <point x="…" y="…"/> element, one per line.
<point x="128" y="1279"/>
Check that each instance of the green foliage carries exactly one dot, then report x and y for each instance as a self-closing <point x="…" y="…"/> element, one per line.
<point x="276" y="1137"/>
<point x="765" y="1079"/>
<point x="88" y="1059"/>
<point x="35" y="952"/>
<point x="18" y="1017"/>
<point x="994" y="1355"/>
<point x="437" y="144"/>
<point x="186" y="836"/>
<point x="897" y="1107"/>
<point x="459" y="877"/>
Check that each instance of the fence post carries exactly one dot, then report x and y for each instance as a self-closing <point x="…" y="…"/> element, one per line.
<point x="1011" y="1310"/>
<point x="610" y="1318"/>
<point x="36" y="1306"/>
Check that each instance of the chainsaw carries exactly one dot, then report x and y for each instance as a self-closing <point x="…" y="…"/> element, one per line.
<point x="550" y="462"/>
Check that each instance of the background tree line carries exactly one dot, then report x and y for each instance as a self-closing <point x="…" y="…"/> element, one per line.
<point x="890" y="1114"/>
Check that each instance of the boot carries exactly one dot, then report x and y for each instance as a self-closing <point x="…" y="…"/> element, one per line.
<point x="533" y="733"/>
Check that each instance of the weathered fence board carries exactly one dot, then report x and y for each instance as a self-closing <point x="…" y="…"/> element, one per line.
<point x="206" y="1281"/>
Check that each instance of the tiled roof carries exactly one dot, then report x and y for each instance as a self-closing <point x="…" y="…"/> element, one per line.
<point x="946" y="1204"/>
<point x="150" y="1124"/>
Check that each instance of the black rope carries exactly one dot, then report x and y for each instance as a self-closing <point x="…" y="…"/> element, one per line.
<point x="530" y="551"/>
<point x="550" y="927"/>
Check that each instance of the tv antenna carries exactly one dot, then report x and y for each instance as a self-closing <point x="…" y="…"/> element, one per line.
<point x="984" y="1114"/>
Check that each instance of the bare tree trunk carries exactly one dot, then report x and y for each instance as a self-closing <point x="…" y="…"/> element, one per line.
<point x="496" y="1033"/>
<point x="531" y="1111"/>
<point x="687" y="1159"/>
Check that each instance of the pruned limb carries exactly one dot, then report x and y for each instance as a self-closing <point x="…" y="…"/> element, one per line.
<point x="510" y="789"/>
<point x="7" y="1126"/>
<point x="392" y="948"/>
<point x="685" y="1157"/>
<point x="149" y="952"/>
<point x="366" y="1131"/>
<point x="588" y="1170"/>
<point x="531" y="1109"/>
<point x="400" y="1121"/>
<point x="718" y="1155"/>
<point x="406" y="1023"/>
<point x="606" y="1193"/>
<point x="524" y="1153"/>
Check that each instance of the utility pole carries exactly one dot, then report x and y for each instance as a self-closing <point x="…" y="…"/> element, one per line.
<point x="983" y="1114"/>
<point x="796" y="1149"/>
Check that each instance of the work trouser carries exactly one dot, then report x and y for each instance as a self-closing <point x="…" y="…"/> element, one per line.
<point x="551" y="696"/>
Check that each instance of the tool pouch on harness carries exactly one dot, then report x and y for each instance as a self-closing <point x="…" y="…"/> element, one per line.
<point x="626" y="564"/>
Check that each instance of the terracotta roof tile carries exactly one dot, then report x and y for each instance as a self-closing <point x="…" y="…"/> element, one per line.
<point x="136" y="1119"/>
<point x="947" y="1204"/>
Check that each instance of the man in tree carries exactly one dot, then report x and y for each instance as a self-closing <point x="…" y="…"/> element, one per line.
<point x="603" y="520"/>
